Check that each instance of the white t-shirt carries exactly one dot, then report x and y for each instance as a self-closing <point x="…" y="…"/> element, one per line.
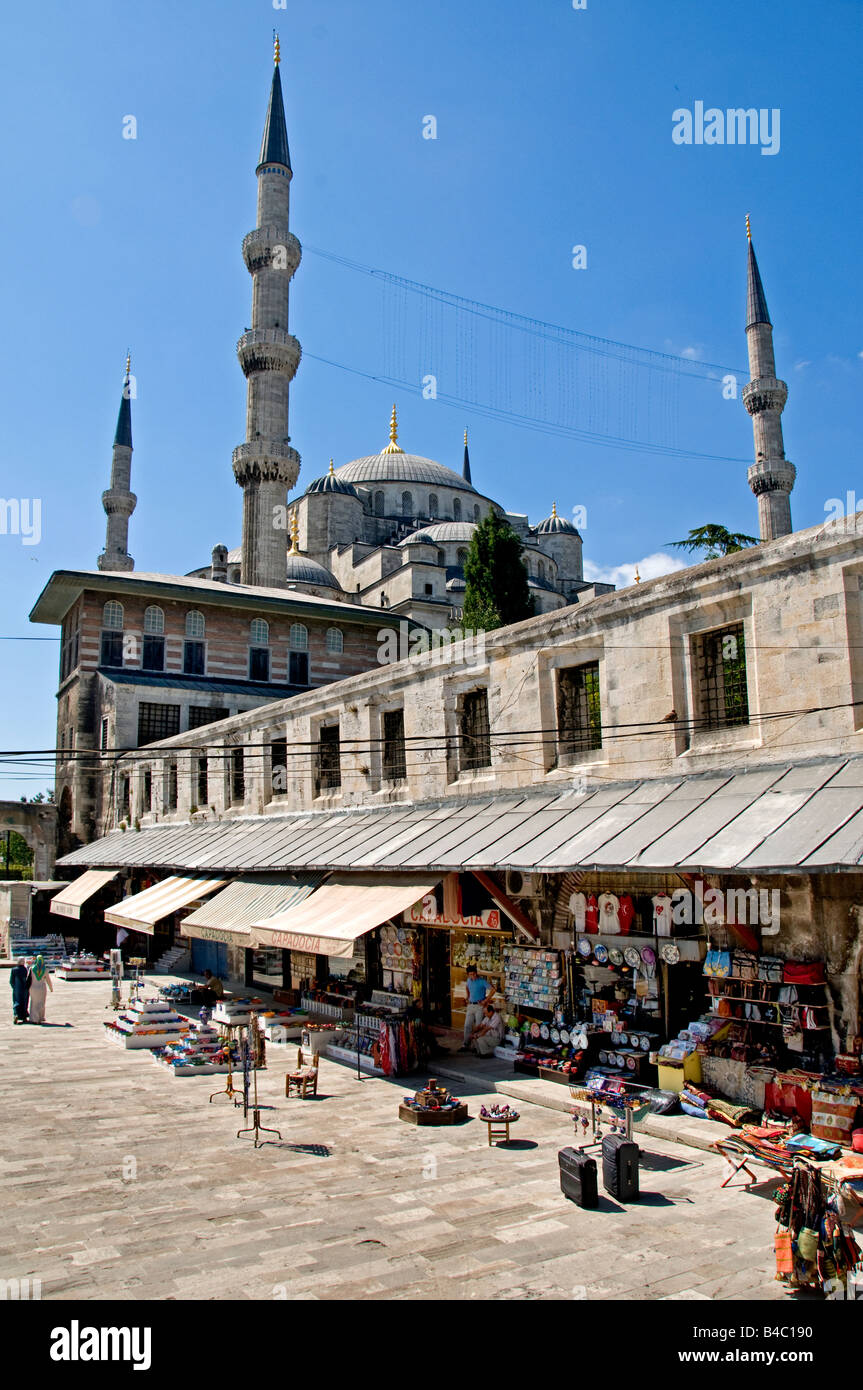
<point x="577" y="906"/>
<point x="609" y="922"/>
<point x="662" y="914"/>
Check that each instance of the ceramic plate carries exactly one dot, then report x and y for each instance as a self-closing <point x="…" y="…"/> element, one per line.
<point x="584" y="946"/>
<point x="632" y="957"/>
<point x="397" y="950"/>
<point x="564" y="1035"/>
<point x="670" y="952"/>
<point x="615" y="956"/>
<point x="601" y="954"/>
<point x="644" y="1043"/>
<point x="603" y="1058"/>
<point x="648" y="955"/>
<point x="543" y="1032"/>
<point x="555" y="1035"/>
<point x="402" y="934"/>
<point x="534" y="1030"/>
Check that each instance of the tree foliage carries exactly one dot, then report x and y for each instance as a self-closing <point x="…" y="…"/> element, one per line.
<point x="496" y="592"/>
<point x="714" y="540"/>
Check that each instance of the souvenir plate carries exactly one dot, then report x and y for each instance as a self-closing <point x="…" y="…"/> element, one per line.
<point x="648" y="955"/>
<point x="669" y="951"/>
<point x="615" y="956"/>
<point x="601" y="954"/>
<point x="624" y="1040"/>
<point x="555" y="1035"/>
<point x="397" y="950"/>
<point x="402" y="934"/>
<point x="630" y="1063"/>
<point x="582" y="1040"/>
<point x="564" y="1035"/>
<point x="534" y="1030"/>
<point x="603" y="1058"/>
<point x="543" y="1032"/>
<point x="644" y="1043"/>
<point x="584" y="946"/>
<point x="632" y="957"/>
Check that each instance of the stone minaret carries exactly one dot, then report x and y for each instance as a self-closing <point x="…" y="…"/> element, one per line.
<point x="465" y="469"/>
<point x="119" y="502"/>
<point x="266" y="466"/>
<point x="771" y="476"/>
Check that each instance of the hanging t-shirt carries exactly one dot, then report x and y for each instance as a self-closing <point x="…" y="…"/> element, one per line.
<point x="591" y="914"/>
<point x="661" y="914"/>
<point x="608" y="923"/>
<point x="626" y="913"/>
<point x="578" y="906"/>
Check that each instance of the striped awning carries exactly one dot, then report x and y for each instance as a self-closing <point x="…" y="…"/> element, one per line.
<point x="75" y="895"/>
<point x="142" y="911"/>
<point x="345" y="907"/>
<point x="229" y="915"/>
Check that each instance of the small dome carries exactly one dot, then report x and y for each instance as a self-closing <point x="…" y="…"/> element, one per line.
<point x="302" y="570"/>
<point x="441" y="531"/>
<point x="455" y="585"/>
<point x="331" y="483"/>
<point x="556" y="525"/>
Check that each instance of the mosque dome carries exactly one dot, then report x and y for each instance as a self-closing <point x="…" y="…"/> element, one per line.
<point x="555" y="525"/>
<point x="330" y="482"/>
<point x="302" y="570"/>
<point x="440" y="532"/>
<point x="393" y="465"/>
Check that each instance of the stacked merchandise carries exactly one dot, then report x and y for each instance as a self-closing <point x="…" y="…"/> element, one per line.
<point x="817" y="1243"/>
<point x="147" y="1023"/>
<point x="235" y="1011"/>
<point x="401" y="959"/>
<point x="786" y="998"/>
<point x="285" y="1026"/>
<point x="554" y="1051"/>
<point x="390" y="1040"/>
<point x="201" y="1053"/>
<point x="83" y="967"/>
<point x="335" y="1004"/>
<point x="533" y="978"/>
<point x="834" y="1113"/>
<point x="432" y="1105"/>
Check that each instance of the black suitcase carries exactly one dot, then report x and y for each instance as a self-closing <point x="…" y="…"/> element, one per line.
<point x="620" y="1167"/>
<point x="578" y="1180"/>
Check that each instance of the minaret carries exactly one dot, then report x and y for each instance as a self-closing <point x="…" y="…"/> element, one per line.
<point x="119" y="502"/>
<point x="266" y="466"/>
<point x="771" y="476"/>
<point x="465" y="472"/>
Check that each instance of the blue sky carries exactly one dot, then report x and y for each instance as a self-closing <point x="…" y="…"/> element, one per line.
<point x="553" y="129"/>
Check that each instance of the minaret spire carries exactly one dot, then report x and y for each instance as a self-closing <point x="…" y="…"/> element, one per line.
<point x="465" y="471"/>
<point x="771" y="476"/>
<point x="119" y="501"/>
<point x="266" y="466"/>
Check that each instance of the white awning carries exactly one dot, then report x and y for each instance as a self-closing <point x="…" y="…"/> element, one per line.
<point x="228" y="916"/>
<point x="348" y="905"/>
<point x="75" y="895"/>
<point x="142" y="911"/>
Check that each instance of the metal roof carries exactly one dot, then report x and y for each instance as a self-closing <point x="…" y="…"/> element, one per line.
<point x="788" y="818"/>
<point x="215" y="685"/>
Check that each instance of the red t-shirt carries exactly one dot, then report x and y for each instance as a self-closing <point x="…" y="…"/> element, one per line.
<point x="591" y="915"/>
<point x="625" y="913"/>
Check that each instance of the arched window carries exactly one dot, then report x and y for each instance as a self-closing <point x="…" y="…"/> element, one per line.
<point x="154" y="620"/>
<point x="433" y="505"/>
<point x="407" y="504"/>
<point x="112" y="616"/>
<point x="259" y="632"/>
<point x="335" y="640"/>
<point x="462" y="557"/>
<point x="441" y="558"/>
<point x="299" y="637"/>
<point x="540" y="569"/>
<point x="456" y="509"/>
<point x="194" y="623"/>
<point x="379" y="504"/>
<point x="476" y="511"/>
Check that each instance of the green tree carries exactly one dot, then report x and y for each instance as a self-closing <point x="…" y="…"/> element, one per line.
<point x="20" y="855"/>
<point x="714" y="540"/>
<point x="496" y="589"/>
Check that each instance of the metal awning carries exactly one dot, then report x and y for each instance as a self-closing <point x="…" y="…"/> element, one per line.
<point x="330" y="920"/>
<point x="142" y="911"/>
<point x="75" y="895"/>
<point x="228" y="916"/>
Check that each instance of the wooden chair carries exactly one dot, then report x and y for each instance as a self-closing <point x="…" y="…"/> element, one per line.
<point x="304" y="1081"/>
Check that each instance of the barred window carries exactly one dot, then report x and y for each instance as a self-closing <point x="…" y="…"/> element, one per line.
<point x="157" y="721"/>
<point x="202" y="779"/>
<point x="719" y="659"/>
<point x="199" y="715"/>
<point x="335" y="640"/>
<point x="259" y="632"/>
<point x="194" y="623"/>
<point x="279" y="766"/>
<point x="147" y="790"/>
<point x="579" y="713"/>
<point x="434" y="506"/>
<point x="329" y="773"/>
<point x="259" y="663"/>
<point x="112" y="616"/>
<point x="407" y="504"/>
<point x="394" y="761"/>
<point x="456" y="509"/>
<point x="125" y="797"/>
<point x="103" y="736"/>
<point x="194" y="659"/>
<point x="112" y="649"/>
<point x="299" y="637"/>
<point x="154" y="620"/>
<point x="475" y="734"/>
<point x="380" y="504"/>
<point x="238" y="775"/>
<point x="153" y="654"/>
<point x="172" y="787"/>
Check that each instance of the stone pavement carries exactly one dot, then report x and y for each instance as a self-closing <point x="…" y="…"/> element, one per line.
<point x="120" y="1181"/>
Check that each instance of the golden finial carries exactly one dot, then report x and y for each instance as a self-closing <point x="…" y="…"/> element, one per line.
<point x="748" y="229"/>
<point x="637" y="575"/>
<point x="128" y="364"/>
<point x="332" y="470"/>
<point x="277" y="56"/>
<point x="295" y="535"/>
<point x="554" y="509"/>
<point x="393" y="446"/>
<point x="465" y="439"/>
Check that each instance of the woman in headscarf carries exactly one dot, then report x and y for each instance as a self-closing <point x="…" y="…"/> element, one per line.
<point x="40" y="983"/>
<point x="19" y="979"/>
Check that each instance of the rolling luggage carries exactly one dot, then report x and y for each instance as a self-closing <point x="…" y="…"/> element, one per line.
<point x="578" y="1179"/>
<point x="620" y="1167"/>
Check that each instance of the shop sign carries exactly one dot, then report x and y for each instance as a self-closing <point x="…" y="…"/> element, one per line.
<point x="425" y="913"/>
<point x="220" y="934"/>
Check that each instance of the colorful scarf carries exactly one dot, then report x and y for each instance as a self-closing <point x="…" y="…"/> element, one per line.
<point x="37" y="969"/>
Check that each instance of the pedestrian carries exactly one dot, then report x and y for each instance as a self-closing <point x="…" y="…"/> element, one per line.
<point x="489" y="1034"/>
<point x="477" y="989"/>
<point x="40" y="983"/>
<point x="19" y="979"/>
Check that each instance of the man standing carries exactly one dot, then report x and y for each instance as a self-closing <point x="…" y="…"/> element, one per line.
<point x="477" y="990"/>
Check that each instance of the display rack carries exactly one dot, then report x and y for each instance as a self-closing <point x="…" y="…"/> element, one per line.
<point x="479" y="946"/>
<point x="147" y="1023"/>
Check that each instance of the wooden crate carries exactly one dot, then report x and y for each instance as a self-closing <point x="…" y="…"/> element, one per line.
<point x="433" y="1117"/>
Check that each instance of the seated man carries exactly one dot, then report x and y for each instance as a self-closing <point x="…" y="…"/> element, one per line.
<point x="489" y="1034"/>
<point x="211" y="990"/>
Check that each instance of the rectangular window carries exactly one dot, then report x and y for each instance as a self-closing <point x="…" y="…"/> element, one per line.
<point x="172" y="787"/>
<point x="238" y="776"/>
<point x="394" y="761"/>
<point x="199" y="715"/>
<point x="157" y="721"/>
<point x="279" y="766"/>
<point x="475" y="735"/>
<point x="329" y="759"/>
<point x="720" y="678"/>
<point x="202" y="780"/>
<point x="579" y="715"/>
<point x="125" y="797"/>
<point x="103" y="736"/>
<point x="193" y="658"/>
<point x="147" y="790"/>
<point x="259" y="663"/>
<point x="153" y="654"/>
<point x="112" y="649"/>
<point x="298" y="668"/>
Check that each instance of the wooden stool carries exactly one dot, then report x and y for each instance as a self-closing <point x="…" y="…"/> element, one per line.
<point x="498" y="1129"/>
